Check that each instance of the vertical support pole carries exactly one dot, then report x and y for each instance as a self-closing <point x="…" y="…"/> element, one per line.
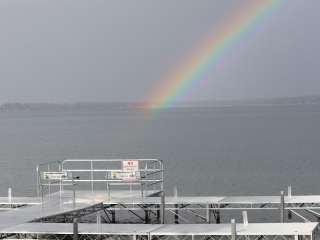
<point x="176" y="215"/>
<point x="60" y="182"/>
<point x="42" y="194"/>
<point x="163" y="208"/>
<point x="49" y="184"/>
<point x="245" y="218"/>
<point x="289" y="196"/>
<point x="208" y="213"/>
<point x="175" y="192"/>
<point x="162" y="195"/>
<point x="98" y="220"/>
<point x="99" y="230"/>
<point x="233" y="229"/>
<point x="158" y="213"/>
<point x="146" y="214"/>
<point x="289" y="191"/>
<point x="74" y="193"/>
<point x="282" y="206"/>
<point x="38" y="181"/>
<point x="113" y="216"/>
<point x="91" y="166"/>
<point x="75" y="229"/>
<point x="10" y="195"/>
<point x="218" y="217"/>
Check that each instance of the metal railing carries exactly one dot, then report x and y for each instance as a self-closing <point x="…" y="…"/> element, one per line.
<point x="97" y="174"/>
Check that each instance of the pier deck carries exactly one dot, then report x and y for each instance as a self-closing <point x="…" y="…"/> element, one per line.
<point x="271" y="230"/>
<point x="75" y="193"/>
<point x="222" y="200"/>
<point x="124" y="197"/>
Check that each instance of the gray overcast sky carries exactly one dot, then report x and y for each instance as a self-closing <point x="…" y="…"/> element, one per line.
<point x="117" y="50"/>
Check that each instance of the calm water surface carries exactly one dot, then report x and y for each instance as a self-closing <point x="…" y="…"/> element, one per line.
<point x="222" y="150"/>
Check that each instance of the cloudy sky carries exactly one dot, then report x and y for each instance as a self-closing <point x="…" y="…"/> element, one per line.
<point x="118" y="50"/>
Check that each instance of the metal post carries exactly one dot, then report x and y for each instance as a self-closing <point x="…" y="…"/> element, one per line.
<point x="99" y="230"/>
<point x="209" y="213"/>
<point x="113" y="216"/>
<point x="49" y="183"/>
<point x="98" y="220"/>
<point x="75" y="229"/>
<point x="74" y="192"/>
<point x="289" y="191"/>
<point x="38" y="181"/>
<point x="146" y="214"/>
<point x="158" y="213"/>
<point x="10" y="195"/>
<point x="233" y="229"/>
<point x="218" y="216"/>
<point x="176" y="215"/>
<point x="175" y="192"/>
<point x="245" y="218"/>
<point x="42" y="195"/>
<point x="282" y="206"/>
<point x="163" y="208"/>
<point x="91" y="176"/>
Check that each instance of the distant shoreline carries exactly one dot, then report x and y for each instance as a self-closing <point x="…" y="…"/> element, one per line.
<point x="304" y="100"/>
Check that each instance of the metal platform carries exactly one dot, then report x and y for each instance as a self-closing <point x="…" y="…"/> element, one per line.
<point x="254" y="230"/>
<point x="110" y="189"/>
<point x="250" y="201"/>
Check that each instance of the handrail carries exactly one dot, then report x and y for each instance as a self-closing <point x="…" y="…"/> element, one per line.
<point x="148" y="175"/>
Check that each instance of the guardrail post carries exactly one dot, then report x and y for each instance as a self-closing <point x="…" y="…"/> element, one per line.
<point x="158" y="213"/>
<point x="282" y="206"/>
<point x="209" y="213"/>
<point x="245" y="218"/>
<point x="233" y="229"/>
<point x="176" y="215"/>
<point x="99" y="229"/>
<point x="74" y="193"/>
<point x="113" y="216"/>
<point x="75" y="229"/>
<point x="38" y="181"/>
<point x="217" y="216"/>
<point x="163" y="207"/>
<point x="10" y="195"/>
<point x="146" y="215"/>
<point x="289" y="191"/>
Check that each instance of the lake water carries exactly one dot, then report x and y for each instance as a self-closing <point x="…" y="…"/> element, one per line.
<point x="217" y="151"/>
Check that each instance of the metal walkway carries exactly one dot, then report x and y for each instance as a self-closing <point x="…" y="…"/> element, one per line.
<point x="256" y="230"/>
<point x="57" y="204"/>
<point x="84" y="190"/>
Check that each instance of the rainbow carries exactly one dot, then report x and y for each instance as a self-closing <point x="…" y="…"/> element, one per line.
<point x="212" y="50"/>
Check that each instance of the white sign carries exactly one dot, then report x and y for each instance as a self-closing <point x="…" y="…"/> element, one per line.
<point x="130" y="165"/>
<point x="130" y="171"/>
<point x="125" y="176"/>
<point x="54" y="175"/>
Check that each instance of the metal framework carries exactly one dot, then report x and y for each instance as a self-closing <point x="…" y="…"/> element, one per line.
<point x="110" y="192"/>
<point x="96" y="174"/>
<point x="273" y="231"/>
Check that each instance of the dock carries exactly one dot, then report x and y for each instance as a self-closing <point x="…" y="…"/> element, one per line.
<point x="125" y="198"/>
